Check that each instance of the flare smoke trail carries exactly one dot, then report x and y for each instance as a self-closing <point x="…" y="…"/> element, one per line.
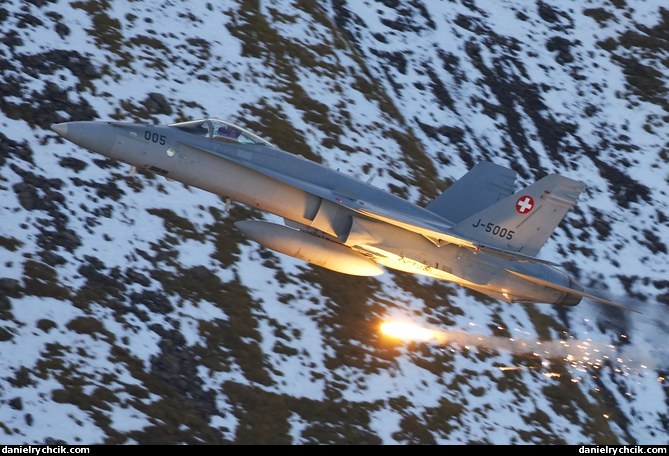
<point x="579" y="353"/>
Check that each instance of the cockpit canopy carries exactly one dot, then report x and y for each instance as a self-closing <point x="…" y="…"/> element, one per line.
<point x="220" y="130"/>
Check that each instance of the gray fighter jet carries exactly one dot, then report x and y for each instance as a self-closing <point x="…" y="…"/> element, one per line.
<point x="479" y="233"/>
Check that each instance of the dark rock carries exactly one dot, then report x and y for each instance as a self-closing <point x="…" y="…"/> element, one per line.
<point x="95" y="263"/>
<point x="72" y="163"/>
<point x="52" y="258"/>
<point x="109" y="190"/>
<point x="39" y="193"/>
<point x="28" y="20"/>
<point x="141" y="314"/>
<point x="153" y="300"/>
<point x="203" y="273"/>
<point x="57" y="59"/>
<point x="471" y="24"/>
<point x="22" y="378"/>
<point x="12" y="40"/>
<point x="451" y="63"/>
<point x="46" y="325"/>
<point x="65" y="238"/>
<point x="105" y="163"/>
<point x="653" y="242"/>
<point x="99" y="277"/>
<point x="16" y="403"/>
<point x="52" y="441"/>
<point x="103" y="211"/>
<point x="397" y="59"/>
<point x="406" y="17"/>
<point x="601" y="224"/>
<point x="62" y="30"/>
<point x="8" y="285"/>
<point x="624" y="189"/>
<point x="27" y="195"/>
<point x="53" y="104"/>
<point x="39" y="3"/>
<point x="5" y="308"/>
<point x="661" y="284"/>
<point x="87" y="325"/>
<point x="454" y="134"/>
<point x="10" y="148"/>
<point x="156" y="103"/>
<point x="102" y="189"/>
<point x="380" y="37"/>
<point x="177" y="365"/>
<point x="562" y="47"/>
<point x="663" y="298"/>
<point x="548" y="13"/>
<point x="5" y="335"/>
<point x="133" y="276"/>
<point x="346" y="20"/>
<point x="440" y="91"/>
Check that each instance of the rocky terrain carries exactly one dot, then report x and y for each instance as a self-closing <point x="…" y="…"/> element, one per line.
<point x="132" y="311"/>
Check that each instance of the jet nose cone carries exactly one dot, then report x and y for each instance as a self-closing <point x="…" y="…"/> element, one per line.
<point x="60" y="128"/>
<point x="93" y="135"/>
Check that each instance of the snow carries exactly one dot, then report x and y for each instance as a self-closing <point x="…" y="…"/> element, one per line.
<point x="496" y="415"/>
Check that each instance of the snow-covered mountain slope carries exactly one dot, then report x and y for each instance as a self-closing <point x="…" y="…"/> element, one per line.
<point x="131" y="310"/>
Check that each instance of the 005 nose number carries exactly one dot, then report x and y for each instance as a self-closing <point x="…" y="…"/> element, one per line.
<point x="155" y="137"/>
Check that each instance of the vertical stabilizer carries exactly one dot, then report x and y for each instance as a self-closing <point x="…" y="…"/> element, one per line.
<point x="523" y="221"/>
<point x="484" y="185"/>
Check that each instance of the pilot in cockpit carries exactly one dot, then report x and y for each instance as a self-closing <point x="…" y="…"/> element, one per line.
<point x="228" y="132"/>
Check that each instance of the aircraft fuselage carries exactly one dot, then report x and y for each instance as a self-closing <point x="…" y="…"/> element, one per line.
<point x="320" y="203"/>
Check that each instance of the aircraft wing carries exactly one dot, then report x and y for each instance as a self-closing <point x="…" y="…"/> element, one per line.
<point x="437" y="233"/>
<point x="424" y="222"/>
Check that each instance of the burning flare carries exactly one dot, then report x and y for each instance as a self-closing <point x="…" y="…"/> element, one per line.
<point x="410" y="332"/>
<point x="580" y="354"/>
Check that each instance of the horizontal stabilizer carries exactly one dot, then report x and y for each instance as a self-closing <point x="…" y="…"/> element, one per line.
<point x="571" y="291"/>
<point x="513" y="256"/>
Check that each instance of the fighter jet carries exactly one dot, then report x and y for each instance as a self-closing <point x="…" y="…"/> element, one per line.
<point x="479" y="233"/>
